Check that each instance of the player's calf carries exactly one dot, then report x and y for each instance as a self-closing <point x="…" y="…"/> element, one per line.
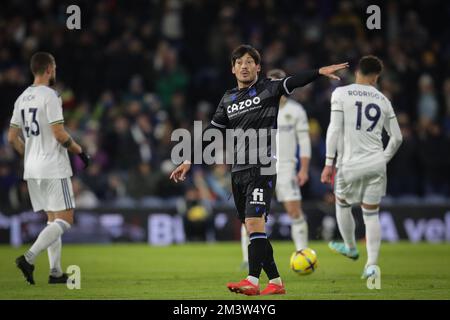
<point x="299" y="226"/>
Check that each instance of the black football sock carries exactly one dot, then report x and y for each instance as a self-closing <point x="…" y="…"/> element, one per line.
<point x="256" y="253"/>
<point x="269" y="265"/>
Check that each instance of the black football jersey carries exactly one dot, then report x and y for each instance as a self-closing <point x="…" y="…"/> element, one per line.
<point x="255" y="107"/>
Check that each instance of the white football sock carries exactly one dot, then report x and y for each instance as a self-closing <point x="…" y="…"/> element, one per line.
<point x="299" y="233"/>
<point x="47" y="236"/>
<point x="54" y="257"/>
<point x="245" y="241"/>
<point x="373" y="235"/>
<point x="276" y="281"/>
<point x="346" y="224"/>
<point x="253" y="280"/>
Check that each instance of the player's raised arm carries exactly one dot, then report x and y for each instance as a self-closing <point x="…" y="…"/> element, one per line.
<point x="333" y="133"/>
<point x="303" y="78"/>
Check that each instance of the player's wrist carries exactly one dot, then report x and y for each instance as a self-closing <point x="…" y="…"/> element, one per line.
<point x="329" y="162"/>
<point x="67" y="143"/>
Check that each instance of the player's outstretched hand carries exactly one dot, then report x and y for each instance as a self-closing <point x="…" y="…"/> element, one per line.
<point x="85" y="158"/>
<point x="329" y="71"/>
<point x="327" y="174"/>
<point x="179" y="174"/>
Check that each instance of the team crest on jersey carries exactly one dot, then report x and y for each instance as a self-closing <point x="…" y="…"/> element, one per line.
<point x="288" y="117"/>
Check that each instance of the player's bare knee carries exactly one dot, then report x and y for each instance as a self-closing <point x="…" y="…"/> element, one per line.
<point x="66" y="216"/>
<point x="370" y="206"/>
<point x="255" y="225"/>
<point x="295" y="213"/>
<point x="294" y="209"/>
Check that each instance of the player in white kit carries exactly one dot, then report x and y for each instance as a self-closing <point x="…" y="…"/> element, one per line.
<point x="38" y="117"/>
<point x="359" y="112"/>
<point x="293" y="131"/>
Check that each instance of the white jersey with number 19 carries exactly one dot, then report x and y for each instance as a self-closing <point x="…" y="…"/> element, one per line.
<point x="35" y="111"/>
<point x="358" y="115"/>
<point x="365" y="112"/>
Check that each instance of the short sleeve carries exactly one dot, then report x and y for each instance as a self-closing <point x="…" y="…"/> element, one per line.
<point x="16" y="119"/>
<point x="54" y="109"/>
<point x="220" y="118"/>
<point x="336" y="101"/>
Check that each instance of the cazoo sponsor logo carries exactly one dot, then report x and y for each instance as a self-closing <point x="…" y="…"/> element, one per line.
<point x="235" y="107"/>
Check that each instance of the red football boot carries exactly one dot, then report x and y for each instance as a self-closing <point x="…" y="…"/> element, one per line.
<point x="273" y="288"/>
<point x="244" y="287"/>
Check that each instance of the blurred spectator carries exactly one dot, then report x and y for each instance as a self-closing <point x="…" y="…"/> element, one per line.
<point x="8" y="183"/>
<point x="219" y="181"/>
<point x="428" y="106"/>
<point x="143" y="181"/>
<point x="171" y="77"/>
<point x="198" y="218"/>
<point x="84" y="198"/>
<point x="446" y="94"/>
<point x="434" y="156"/>
<point x="121" y="145"/>
<point x="404" y="169"/>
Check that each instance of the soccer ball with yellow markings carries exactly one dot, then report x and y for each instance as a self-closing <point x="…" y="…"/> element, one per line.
<point x="304" y="262"/>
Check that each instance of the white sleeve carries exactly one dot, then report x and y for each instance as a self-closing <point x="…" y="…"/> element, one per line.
<point x="334" y="128"/>
<point x="302" y="130"/>
<point x="395" y="135"/>
<point x="16" y="120"/>
<point x="54" y="109"/>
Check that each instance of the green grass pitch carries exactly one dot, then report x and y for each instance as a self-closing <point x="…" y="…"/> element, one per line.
<point x="201" y="271"/>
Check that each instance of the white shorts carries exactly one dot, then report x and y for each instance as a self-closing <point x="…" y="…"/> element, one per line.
<point x="368" y="190"/>
<point x="51" y="194"/>
<point x="287" y="188"/>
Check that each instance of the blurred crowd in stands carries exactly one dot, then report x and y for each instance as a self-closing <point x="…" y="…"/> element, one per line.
<point x="137" y="70"/>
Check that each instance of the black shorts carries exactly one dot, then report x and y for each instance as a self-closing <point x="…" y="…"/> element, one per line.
<point x="252" y="192"/>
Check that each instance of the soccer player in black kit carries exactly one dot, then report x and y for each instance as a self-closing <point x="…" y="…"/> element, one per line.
<point x="253" y="104"/>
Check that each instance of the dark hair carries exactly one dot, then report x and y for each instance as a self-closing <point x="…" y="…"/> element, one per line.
<point x="242" y="50"/>
<point x="370" y="65"/>
<point x="276" y="74"/>
<point x="40" y="62"/>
